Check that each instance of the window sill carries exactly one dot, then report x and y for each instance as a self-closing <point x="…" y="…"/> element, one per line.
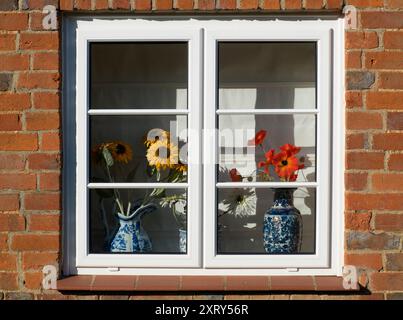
<point x="202" y="283"/>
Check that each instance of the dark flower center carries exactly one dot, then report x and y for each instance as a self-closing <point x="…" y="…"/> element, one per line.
<point x="284" y="162"/>
<point x="120" y="149"/>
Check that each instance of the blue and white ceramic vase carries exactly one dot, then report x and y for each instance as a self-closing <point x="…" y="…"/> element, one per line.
<point x="182" y="240"/>
<point x="131" y="236"/>
<point x="282" y="228"/>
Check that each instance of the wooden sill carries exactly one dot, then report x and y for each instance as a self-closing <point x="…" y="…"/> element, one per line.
<point x="202" y="283"/>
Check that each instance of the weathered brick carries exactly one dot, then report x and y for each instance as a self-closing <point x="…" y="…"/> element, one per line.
<point x="388" y="141"/>
<point x="394" y="295"/>
<point x="44" y="222"/>
<point x="46" y="100"/>
<point x="51" y="141"/>
<point x="39" y="41"/>
<point x="228" y="4"/>
<point x="364" y="120"/>
<point x="356" y="181"/>
<point x="387" y="182"/>
<point x="46" y="61"/>
<point x="357" y="221"/>
<point x="33" y="280"/>
<point x="42" y="120"/>
<point x="248" y="4"/>
<point x="101" y="4"/>
<point x="10" y="122"/>
<point x="334" y="4"/>
<point x="353" y="99"/>
<point x="373" y="201"/>
<point x="395" y="121"/>
<point x="9" y="202"/>
<point x="395" y="162"/>
<point x="390" y="80"/>
<point x="8" y="261"/>
<point x="121" y="4"/>
<point x="367" y="260"/>
<point x="366" y="3"/>
<point x="44" y="161"/>
<point x="39" y="4"/>
<point x="13" y="21"/>
<point x="384" y="60"/>
<point x="18" y="181"/>
<point x="12" y="222"/>
<point x="8" y="5"/>
<point x="366" y="240"/>
<point x="143" y="5"/>
<point x="355" y="141"/>
<point x="7" y="41"/>
<point x="387" y="281"/>
<point x="394" y="4"/>
<point x="353" y="59"/>
<point x="385" y="100"/>
<point x="314" y="4"/>
<point x="37" y="260"/>
<point x="394" y="261"/>
<point x="12" y="161"/>
<point x="270" y="4"/>
<point x="39" y="80"/>
<point x="361" y="40"/>
<point x="50" y="181"/>
<point x="163" y="4"/>
<point x="14" y="101"/>
<point x="393" y="39"/>
<point x="4" y="241"/>
<point x="83" y="4"/>
<point x="293" y="4"/>
<point x="358" y="80"/>
<point x="35" y="242"/>
<point x="6" y="80"/>
<point x="18" y="295"/>
<point x="66" y="5"/>
<point x="8" y="280"/>
<point x="18" y="141"/>
<point x="365" y="160"/>
<point x="381" y="19"/>
<point x="42" y="201"/>
<point x="389" y="222"/>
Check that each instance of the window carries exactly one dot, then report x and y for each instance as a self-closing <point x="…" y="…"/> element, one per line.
<point x="160" y="125"/>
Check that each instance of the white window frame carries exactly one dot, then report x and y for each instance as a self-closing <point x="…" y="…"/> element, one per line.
<point x="201" y="258"/>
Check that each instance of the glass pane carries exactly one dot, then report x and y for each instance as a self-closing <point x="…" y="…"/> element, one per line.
<point x="266" y="75"/>
<point x="241" y="220"/>
<point x="267" y="148"/>
<point x="160" y="226"/>
<point x="140" y="148"/>
<point x="141" y="75"/>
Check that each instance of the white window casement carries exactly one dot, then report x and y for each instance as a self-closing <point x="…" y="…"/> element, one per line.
<point x="212" y="84"/>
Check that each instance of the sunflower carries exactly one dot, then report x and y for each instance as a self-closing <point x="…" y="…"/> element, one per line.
<point x="121" y="151"/>
<point x="155" y="135"/>
<point x="181" y="167"/>
<point x="163" y="155"/>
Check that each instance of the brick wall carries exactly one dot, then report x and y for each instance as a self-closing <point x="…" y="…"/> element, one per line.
<point x="30" y="139"/>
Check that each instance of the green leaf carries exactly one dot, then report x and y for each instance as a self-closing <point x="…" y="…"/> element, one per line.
<point x="107" y="156"/>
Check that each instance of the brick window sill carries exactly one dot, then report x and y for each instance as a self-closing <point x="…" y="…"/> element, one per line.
<point x="202" y="283"/>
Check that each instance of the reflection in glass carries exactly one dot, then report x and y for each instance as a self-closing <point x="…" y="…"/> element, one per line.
<point x="240" y="219"/>
<point x="242" y="149"/>
<point x="143" y="148"/>
<point x="140" y="75"/>
<point x="161" y="225"/>
<point x="267" y="75"/>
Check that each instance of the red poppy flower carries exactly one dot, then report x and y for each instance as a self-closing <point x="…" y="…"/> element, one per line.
<point x="235" y="175"/>
<point x="269" y="156"/>
<point x="258" y="139"/>
<point x="285" y="165"/>
<point x="290" y="149"/>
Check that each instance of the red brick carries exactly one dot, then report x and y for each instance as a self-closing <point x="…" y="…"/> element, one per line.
<point x="41" y="80"/>
<point x="228" y="4"/>
<point x="359" y="240"/>
<point x="203" y="283"/>
<point x="35" y="242"/>
<point x="353" y="99"/>
<point x="385" y="100"/>
<point x="163" y="4"/>
<point x="121" y="4"/>
<point x="143" y="5"/>
<point x="46" y="100"/>
<point x="361" y="40"/>
<point x="9" y="202"/>
<point x="270" y="4"/>
<point x="357" y="221"/>
<point x="18" y="142"/>
<point x="12" y="161"/>
<point x="393" y="39"/>
<point x="50" y="181"/>
<point x="366" y="3"/>
<point x="14" y="62"/>
<point x="66" y="5"/>
<point x="36" y="20"/>
<point x="367" y="260"/>
<point x="83" y="4"/>
<point x="18" y="181"/>
<point x="7" y="42"/>
<point x="40" y="161"/>
<point x="39" y="41"/>
<point x="384" y="60"/>
<point x="355" y="141"/>
<point x="8" y="281"/>
<point x="42" y="201"/>
<point x="44" y="222"/>
<point x="184" y="4"/>
<point x="314" y="4"/>
<point x="389" y="222"/>
<point x="39" y="4"/>
<point x="12" y="222"/>
<point x="396" y="162"/>
<point x="10" y="21"/>
<point x="51" y="141"/>
<point x="381" y="19"/>
<point x="14" y="101"/>
<point x="37" y="260"/>
<point x="387" y="281"/>
<point x="42" y="120"/>
<point x="353" y="59"/>
<point x="390" y="80"/>
<point x="293" y="4"/>
<point x="365" y="160"/>
<point x="206" y="4"/>
<point x="46" y="61"/>
<point x="158" y="283"/>
<point x="371" y="201"/>
<point x="3" y="241"/>
<point x="8" y="262"/>
<point x="249" y="4"/>
<point x="394" y="261"/>
<point x="334" y="4"/>
<point x="388" y="141"/>
<point x="394" y="4"/>
<point x="10" y="122"/>
<point x="33" y="280"/>
<point x="387" y="182"/>
<point x="363" y="120"/>
<point x="101" y="4"/>
<point x="356" y="181"/>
